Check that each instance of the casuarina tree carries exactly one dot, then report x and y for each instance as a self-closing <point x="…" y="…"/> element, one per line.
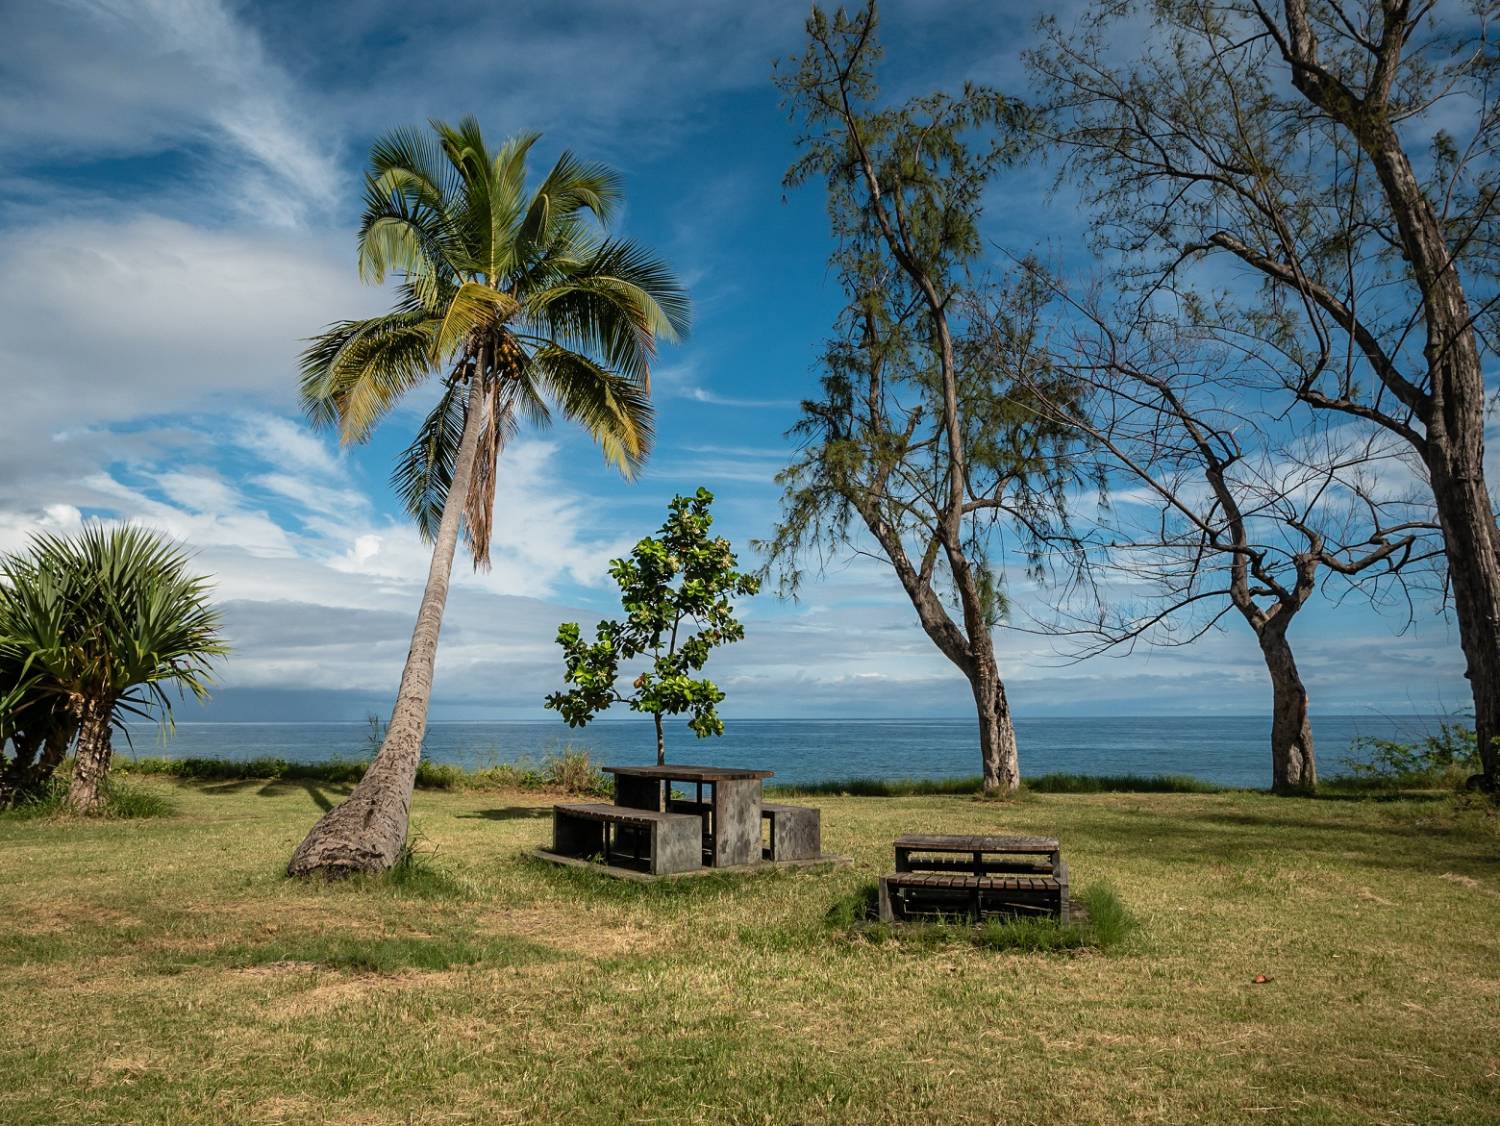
<point x="677" y="589"/>
<point x="919" y="441"/>
<point x="516" y="302"/>
<point x="1334" y="165"/>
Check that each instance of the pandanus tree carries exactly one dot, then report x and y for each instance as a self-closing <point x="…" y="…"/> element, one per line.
<point x="515" y="299"/>
<point x="94" y="629"/>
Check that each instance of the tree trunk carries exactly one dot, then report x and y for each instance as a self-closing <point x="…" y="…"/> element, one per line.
<point x="1469" y="537"/>
<point x="18" y="771"/>
<point x="997" y="732"/>
<point x="1454" y="417"/>
<point x="1294" y="767"/>
<point x="366" y="832"/>
<point x="661" y="743"/>
<point x="90" y="759"/>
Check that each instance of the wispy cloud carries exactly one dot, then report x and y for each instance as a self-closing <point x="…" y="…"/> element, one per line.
<point x="681" y="381"/>
<point x="98" y="78"/>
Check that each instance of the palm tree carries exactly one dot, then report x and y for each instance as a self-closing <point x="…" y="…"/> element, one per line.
<point x="101" y="626"/>
<point x="516" y="300"/>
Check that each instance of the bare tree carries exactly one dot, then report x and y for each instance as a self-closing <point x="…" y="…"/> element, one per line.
<point x="1226" y="509"/>
<point x="1342" y="154"/>
<point x="917" y="437"/>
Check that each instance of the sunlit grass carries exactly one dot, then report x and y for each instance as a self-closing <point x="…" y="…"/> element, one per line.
<point x="165" y="969"/>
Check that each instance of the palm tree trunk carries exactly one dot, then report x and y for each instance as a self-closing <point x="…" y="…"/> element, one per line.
<point x="90" y="759"/>
<point x="366" y="832"/>
<point x="661" y="742"/>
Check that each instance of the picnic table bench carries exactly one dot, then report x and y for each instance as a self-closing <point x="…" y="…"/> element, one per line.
<point x="977" y="875"/>
<point x="655" y="840"/>
<point x="795" y="831"/>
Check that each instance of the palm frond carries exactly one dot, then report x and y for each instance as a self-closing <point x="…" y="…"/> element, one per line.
<point x="472" y="308"/>
<point x="110" y="612"/>
<point x="615" y="410"/>
<point x="617" y="306"/>
<point x="356" y="371"/>
<point x="496" y="430"/>
<point x="424" y="470"/>
<point x="572" y="186"/>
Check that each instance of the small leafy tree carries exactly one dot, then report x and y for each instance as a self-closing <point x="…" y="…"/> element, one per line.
<point x="679" y="581"/>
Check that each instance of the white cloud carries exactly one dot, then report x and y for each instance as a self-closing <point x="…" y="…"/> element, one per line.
<point x="132" y="77"/>
<point x="103" y="322"/>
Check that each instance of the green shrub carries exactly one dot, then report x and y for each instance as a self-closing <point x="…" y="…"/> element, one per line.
<point x="569" y="770"/>
<point x="1043" y="784"/>
<point x="1445" y="758"/>
<point x="878" y="787"/>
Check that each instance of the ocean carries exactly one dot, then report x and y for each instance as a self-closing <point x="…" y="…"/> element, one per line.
<point x="1231" y="750"/>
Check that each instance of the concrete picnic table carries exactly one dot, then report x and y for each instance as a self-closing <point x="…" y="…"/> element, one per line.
<point x="731" y="814"/>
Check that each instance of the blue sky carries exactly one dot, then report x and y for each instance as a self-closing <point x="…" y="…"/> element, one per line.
<point x="181" y="189"/>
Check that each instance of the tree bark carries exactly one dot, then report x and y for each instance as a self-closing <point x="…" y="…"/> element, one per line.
<point x="661" y="743"/>
<point x="366" y="832"/>
<point x="997" y="731"/>
<point x="1469" y="536"/>
<point x="1294" y="766"/>
<point x="91" y="759"/>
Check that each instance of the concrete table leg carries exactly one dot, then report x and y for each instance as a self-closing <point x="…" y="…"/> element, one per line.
<point x="736" y="822"/>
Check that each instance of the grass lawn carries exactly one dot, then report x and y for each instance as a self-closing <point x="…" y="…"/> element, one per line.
<point x="163" y="970"/>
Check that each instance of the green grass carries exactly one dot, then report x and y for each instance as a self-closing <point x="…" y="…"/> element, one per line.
<point x="1104" y="926"/>
<point x="1062" y="783"/>
<point x="383" y="954"/>
<point x="165" y="970"/>
<point x="122" y="801"/>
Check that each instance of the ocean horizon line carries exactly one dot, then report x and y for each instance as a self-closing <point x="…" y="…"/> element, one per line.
<point x="622" y="721"/>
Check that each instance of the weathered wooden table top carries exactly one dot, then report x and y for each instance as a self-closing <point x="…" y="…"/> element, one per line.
<point x="923" y="842"/>
<point x="683" y="773"/>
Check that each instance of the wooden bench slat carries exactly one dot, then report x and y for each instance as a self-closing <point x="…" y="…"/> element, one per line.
<point x="923" y="842"/>
<point x="982" y="883"/>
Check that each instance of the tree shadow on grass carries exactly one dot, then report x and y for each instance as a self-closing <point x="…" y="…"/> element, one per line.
<point x="1208" y="836"/>
<point x="322" y="794"/>
<point x="509" y="813"/>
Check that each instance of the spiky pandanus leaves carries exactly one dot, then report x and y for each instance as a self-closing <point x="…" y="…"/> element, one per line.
<point x="517" y="301"/>
<point x="110" y="623"/>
